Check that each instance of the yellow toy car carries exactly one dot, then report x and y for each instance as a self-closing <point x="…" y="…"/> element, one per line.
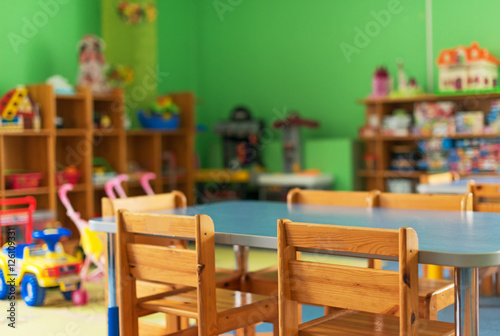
<point x="37" y="267"/>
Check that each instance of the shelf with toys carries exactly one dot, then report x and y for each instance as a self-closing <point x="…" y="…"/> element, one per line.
<point x="70" y="132"/>
<point x="408" y="134"/>
<point x="165" y="150"/>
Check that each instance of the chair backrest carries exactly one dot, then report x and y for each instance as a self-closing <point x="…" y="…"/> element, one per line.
<point x="328" y="197"/>
<point x="439" y="178"/>
<point x="168" y="265"/>
<point x="171" y="200"/>
<point x="486" y="197"/>
<point x="424" y="201"/>
<point x="363" y="289"/>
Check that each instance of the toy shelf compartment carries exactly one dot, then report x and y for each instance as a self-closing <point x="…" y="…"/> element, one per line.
<point x="73" y="159"/>
<point x="175" y="161"/>
<point x="73" y="111"/>
<point x="140" y="160"/>
<point x="111" y="105"/>
<point x="27" y="154"/>
<point x="113" y="150"/>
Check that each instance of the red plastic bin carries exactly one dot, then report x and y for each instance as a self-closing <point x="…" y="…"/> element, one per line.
<point x="63" y="177"/>
<point x="23" y="181"/>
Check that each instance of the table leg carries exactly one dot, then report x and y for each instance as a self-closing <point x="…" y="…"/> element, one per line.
<point x="241" y="255"/>
<point x="466" y="301"/>
<point x="113" y="319"/>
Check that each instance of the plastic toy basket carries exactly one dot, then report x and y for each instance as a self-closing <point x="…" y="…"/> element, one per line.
<point x="21" y="179"/>
<point x="71" y="177"/>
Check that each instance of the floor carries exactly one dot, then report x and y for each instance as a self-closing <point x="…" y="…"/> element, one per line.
<point x="60" y="318"/>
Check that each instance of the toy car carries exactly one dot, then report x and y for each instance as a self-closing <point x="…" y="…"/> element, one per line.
<point x="38" y="267"/>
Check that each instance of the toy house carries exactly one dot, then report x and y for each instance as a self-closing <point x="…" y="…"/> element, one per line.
<point x="467" y="68"/>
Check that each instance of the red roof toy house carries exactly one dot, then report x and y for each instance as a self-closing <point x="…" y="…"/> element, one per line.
<point x="467" y="69"/>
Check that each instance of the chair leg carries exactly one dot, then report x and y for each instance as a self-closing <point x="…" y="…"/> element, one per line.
<point x="425" y="271"/>
<point x="276" y="327"/>
<point x="424" y="310"/>
<point x="432" y="308"/>
<point x="173" y="323"/>
<point x="497" y="280"/>
<point x="247" y="331"/>
<point x="375" y="263"/>
<point x="487" y="286"/>
<point x="184" y="321"/>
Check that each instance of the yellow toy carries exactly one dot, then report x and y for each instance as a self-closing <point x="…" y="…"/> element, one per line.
<point x="38" y="267"/>
<point x="10" y="102"/>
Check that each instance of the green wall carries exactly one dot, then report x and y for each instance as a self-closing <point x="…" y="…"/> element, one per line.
<point x="285" y="55"/>
<point x="135" y="45"/>
<point x="177" y="45"/>
<point x="40" y="38"/>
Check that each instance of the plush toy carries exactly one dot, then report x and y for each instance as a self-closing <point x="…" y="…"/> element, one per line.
<point x="92" y="64"/>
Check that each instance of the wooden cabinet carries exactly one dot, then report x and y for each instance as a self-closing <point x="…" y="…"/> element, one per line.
<point x="76" y="144"/>
<point x="379" y="146"/>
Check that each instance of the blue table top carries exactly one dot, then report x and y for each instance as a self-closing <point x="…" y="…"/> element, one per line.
<point x="451" y="238"/>
<point x="456" y="187"/>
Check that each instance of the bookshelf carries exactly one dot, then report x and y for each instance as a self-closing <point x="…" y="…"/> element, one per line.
<point x="51" y="149"/>
<point x="380" y="145"/>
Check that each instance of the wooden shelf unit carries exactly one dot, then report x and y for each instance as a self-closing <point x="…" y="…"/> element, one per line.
<point x="49" y="149"/>
<point x="381" y="144"/>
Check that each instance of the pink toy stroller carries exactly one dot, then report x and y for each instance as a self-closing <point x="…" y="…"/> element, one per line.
<point x="92" y="246"/>
<point x="114" y="189"/>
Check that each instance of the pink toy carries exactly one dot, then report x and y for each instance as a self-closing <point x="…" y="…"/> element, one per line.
<point x="145" y="183"/>
<point x="115" y="186"/>
<point x="91" y="244"/>
<point x="114" y="189"/>
<point x="381" y="83"/>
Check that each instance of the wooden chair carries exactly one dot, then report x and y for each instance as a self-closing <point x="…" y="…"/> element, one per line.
<point x="176" y="199"/>
<point x="439" y="178"/>
<point x="486" y="198"/>
<point x="224" y="278"/>
<point x="434" y="294"/>
<point x="424" y="201"/>
<point x="337" y="198"/>
<point x="265" y="281"/>
<point x="369" y="298"/>
<point x="190" y="272"/>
